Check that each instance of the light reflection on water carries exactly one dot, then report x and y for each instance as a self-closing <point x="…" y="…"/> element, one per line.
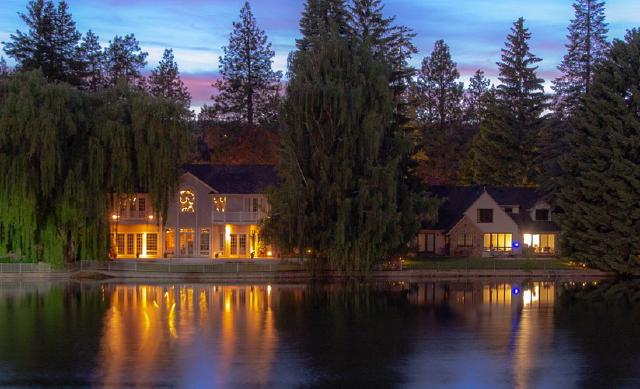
<point x="458" y="333"/>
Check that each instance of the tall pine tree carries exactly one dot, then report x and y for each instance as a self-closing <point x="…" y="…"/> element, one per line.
<point x="439" y="93"/>
<point x="389" y="42"/>
<point x="438" y="100"/>
<point x="317" y="18"/>
<point x="475" y="98"/>
<point x="510" y="142"/>
<point x="248" y="86"/>
<point x="92" y="58"/>
<point x="600" y="187"/>
<point x="586" y="48"/>
<point x="49" y="44"/>
<point x="124" y="61"/>
<point x="165" y="81"/>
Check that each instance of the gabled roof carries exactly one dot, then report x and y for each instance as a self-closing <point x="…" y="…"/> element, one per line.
<point x="456" y="201"/>
<point x="459" y="198"/>
<point x="235" y="179"/>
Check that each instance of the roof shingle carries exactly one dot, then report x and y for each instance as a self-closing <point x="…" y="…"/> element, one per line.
<point x="235" y="179"/>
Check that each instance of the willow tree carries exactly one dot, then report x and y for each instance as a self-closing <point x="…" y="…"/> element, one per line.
<point x="64" y="151"/>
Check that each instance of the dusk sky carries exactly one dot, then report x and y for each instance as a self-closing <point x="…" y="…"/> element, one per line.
<point x="475" y="30"/>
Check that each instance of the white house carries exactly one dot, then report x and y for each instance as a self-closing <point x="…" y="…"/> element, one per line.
<point x="216" y="213"/>
<point x="489" y="221"/>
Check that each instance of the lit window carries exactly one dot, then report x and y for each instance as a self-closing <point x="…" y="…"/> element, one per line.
<point x="152" y="244"/>
<point x="187" y="201"/>
<point x="234" y="244"/>
<point x="243" y="244"/>
<point x="138" y="244"/>
<point x="129" y="244"/>
<point x="120" y="243"/>
<point x="541" y="243"/>
<point x="485" y="215"/>
<point x="497" y="242"/>
<point x="169" y="241"/>
<point x="204" y="241"/>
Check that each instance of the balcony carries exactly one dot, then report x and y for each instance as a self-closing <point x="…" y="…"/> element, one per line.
<point x="237" y="217"/>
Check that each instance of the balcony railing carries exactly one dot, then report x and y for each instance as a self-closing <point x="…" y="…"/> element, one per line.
<point x="237" y="217"/>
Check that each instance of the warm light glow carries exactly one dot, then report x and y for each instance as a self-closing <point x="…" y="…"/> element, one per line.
<point x="114" y="216"/>
<point x="150" y="217"/>
<point x="269" y="253"/>
<point x="187" y="201"/>
<point x="268" y="289"/>
<point x="227" y="232"/>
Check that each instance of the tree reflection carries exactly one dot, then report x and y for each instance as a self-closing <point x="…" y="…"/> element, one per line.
<point x="603" y="320"/>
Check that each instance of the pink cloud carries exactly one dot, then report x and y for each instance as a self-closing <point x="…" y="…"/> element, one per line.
<point x="199" y="86"/>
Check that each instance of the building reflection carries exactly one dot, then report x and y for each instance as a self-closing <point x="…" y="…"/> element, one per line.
<point x="205" y="330"/>
<point x="515" y="320"/>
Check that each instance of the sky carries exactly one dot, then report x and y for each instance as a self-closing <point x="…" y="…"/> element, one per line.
<point x="197" y="30"/>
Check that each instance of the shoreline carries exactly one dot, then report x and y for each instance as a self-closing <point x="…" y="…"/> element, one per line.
<point x="303" y="276"/>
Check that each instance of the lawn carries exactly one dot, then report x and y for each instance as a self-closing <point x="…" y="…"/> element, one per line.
<point x="487" y="263"/>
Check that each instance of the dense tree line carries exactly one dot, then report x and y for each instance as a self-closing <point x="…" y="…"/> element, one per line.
<point x="357" y="132"/>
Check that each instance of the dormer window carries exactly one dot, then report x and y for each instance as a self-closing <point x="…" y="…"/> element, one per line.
<point x="542" y="214"/>
<point x="485" y="215"/>
<point x="508" y="209"/>
<point x="187" y="201"/>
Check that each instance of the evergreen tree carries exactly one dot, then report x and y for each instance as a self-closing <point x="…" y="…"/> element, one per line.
<point x="50" y="43"/>
<point x="249" y="85"/>
<point x="520" y="98"/>
<point x="124" y="61"/>
<point x="165" y="81"/>
<point x="340" y="158"/>
<point x="493" y="157"/>
<point x="319" y="17"/>
<point x="392" y="44"/>
<point x="439" y="91"/>
<point x="474" y="98"/>
<point x="586" y="49"/>
<point x="92" y="58"/>
<point x="4" y="69"/>
<point x="389" y="42"/>
<point x="438" y="100"/>
<point x="600" y="187"/>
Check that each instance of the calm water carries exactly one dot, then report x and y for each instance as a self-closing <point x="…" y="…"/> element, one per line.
<point x="458" y="334"/>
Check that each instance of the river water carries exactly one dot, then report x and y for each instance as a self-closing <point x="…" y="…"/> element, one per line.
<point x="360" y="334"/>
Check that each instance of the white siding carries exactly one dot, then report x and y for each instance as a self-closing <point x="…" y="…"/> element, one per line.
<point x="502" y="222"/>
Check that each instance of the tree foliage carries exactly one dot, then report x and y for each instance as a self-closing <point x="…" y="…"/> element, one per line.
<point x="340" y="157"/>
<point x="475" y="98"/>
<point x="124" y="61"/>
<point x="49" y="44"/>
<point x="63" y="152"/>
<point x="249" y="88"/>
<point x="586" y="48"/>
<point x="509" y="139"/>
<point x="600" y="187"/>
<point x="92" y="58"/>
<point x="318" y="18"/>
<point x="165" y="81"/>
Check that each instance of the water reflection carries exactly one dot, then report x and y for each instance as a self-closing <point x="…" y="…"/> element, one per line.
<point x="455" y="333"/>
